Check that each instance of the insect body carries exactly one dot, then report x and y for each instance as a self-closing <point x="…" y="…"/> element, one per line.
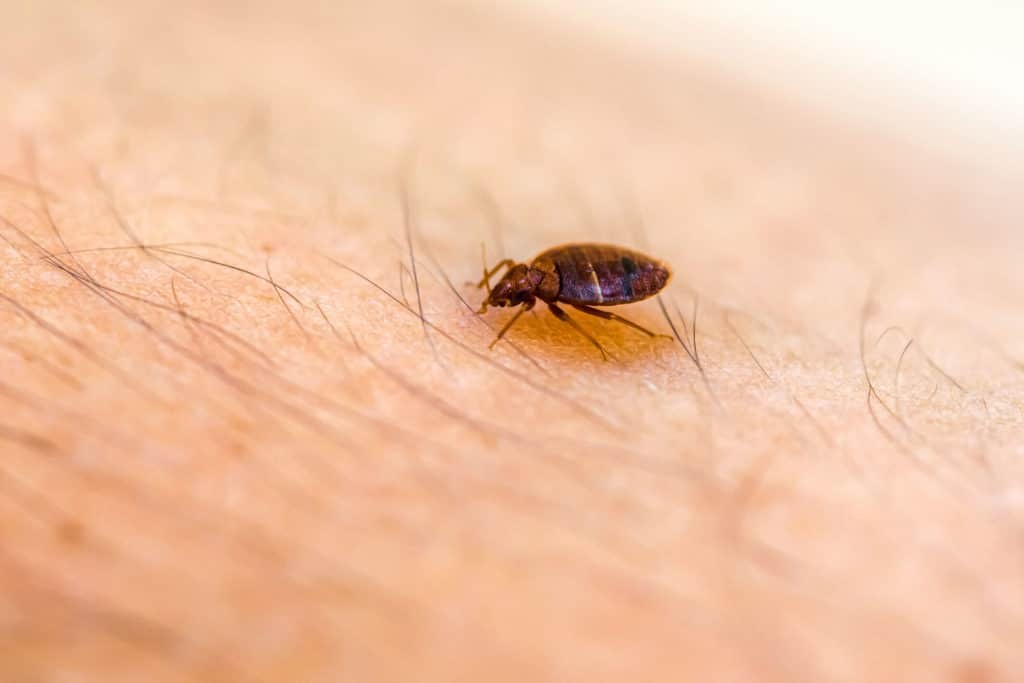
<point x="581" y="275"/>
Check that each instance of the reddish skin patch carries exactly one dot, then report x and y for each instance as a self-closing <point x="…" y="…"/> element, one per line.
<point x="581" y="275"/>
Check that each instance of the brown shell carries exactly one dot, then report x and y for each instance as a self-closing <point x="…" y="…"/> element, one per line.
<point x="604" y="274"/>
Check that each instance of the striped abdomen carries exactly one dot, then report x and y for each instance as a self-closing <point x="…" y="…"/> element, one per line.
<point x="604" y="274"/>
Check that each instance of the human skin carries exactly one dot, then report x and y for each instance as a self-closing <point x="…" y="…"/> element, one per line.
<point x="208" y="476"/>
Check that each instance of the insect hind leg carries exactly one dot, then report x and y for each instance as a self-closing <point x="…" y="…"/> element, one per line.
<point x="564" y="317"/>
<point x="608" y="315"/>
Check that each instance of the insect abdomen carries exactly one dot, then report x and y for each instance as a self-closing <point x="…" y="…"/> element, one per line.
<point x="605" y="275"/>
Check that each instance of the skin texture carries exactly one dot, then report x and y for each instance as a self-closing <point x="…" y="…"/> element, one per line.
<point x="250" y="430"/>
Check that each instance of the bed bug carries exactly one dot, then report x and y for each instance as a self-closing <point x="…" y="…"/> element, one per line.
<point x="580" y="275"/>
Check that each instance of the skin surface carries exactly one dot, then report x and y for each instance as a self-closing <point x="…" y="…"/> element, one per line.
<point x="250" y="431"/>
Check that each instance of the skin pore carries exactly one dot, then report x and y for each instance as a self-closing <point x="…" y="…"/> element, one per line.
<point x="251" y="428"/>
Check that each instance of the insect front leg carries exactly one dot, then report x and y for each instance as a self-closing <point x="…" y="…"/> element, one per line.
<point x="488" y="274"/>
<point x="526" y="306"/>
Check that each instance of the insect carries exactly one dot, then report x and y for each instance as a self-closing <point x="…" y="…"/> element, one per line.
<point x="580" y="275"/>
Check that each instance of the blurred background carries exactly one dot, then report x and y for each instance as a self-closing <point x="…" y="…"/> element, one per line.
<point x="945" y="73"/>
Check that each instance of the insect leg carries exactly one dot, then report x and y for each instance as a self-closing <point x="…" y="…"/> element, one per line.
<point x="564" y="317"/>
<point x="490" y="273"/>
<point x="608" y="315"/>
<point x="509" y="324"/>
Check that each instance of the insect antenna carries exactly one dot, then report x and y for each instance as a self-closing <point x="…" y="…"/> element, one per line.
<point x="483" y="261"/>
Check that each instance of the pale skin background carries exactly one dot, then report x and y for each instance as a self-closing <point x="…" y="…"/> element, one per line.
<point x="203" y="476"/>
